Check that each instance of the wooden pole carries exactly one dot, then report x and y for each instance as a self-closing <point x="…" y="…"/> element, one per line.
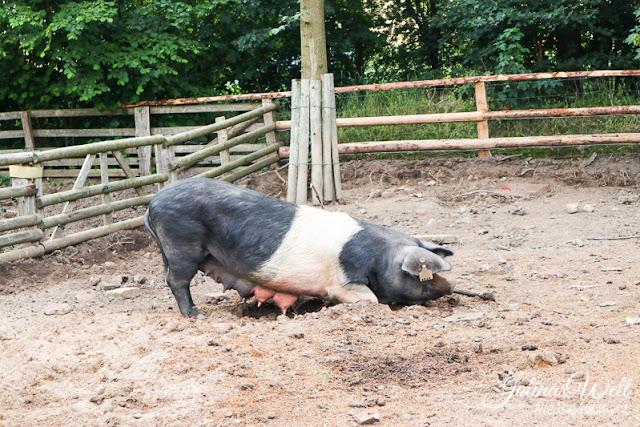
<point x="313" y="39"/>
<point x="29" y="143"/>
<point x="481" y="144"/>
<point x="215" y="149"/>
<point x="124" y="165"/>
<point x="327" y="173"/>
<point x="269" y="119"/>
<point x="315" y="120"/>
<point x="292" y="172"/>
<point x="214" y="127"/>
<point x="80" y="180"/>
<point x="143" y="128"/>
<point x="94" y="190"/>
<point x="303" y="144"/>
<point x="20" y="237"/>
<point x="242" y="161"/>
<point x="482" y="106"/>
<point x="19" y="222"/>
<point x="80" y="214"/>
<point x="10" y="192"/>
<point x="104" y="180"/>
<point x="332" y="134"/>
<point x="223" y="137"/>
<point x="250" y="169"/>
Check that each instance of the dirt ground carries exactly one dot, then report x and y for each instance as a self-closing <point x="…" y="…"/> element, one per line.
<point x="559" y="346"/>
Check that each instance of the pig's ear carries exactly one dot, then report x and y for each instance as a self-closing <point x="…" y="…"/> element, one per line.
<point x="443" y="252"/>
<point x="421" y="262"/>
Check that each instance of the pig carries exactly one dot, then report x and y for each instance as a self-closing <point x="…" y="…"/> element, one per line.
<point x="268" y="248"/>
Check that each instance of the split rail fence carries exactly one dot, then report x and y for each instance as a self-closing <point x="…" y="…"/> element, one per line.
<point x="39" y="226"/>
<point x="482" y="116"/>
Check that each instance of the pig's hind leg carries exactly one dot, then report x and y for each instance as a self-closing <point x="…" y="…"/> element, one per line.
<point x="179" y="277"/>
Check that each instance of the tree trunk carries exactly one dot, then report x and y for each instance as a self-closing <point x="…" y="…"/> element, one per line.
<point x="313" y="41"/>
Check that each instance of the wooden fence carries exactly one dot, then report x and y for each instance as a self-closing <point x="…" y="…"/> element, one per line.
<point x="482" y="116"/>
<point x="40" y="221"/>
<point x="137" y="121"/>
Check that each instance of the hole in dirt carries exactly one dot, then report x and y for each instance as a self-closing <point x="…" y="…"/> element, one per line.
<point x="270" y="310"/>
<point x="412" y="371"/>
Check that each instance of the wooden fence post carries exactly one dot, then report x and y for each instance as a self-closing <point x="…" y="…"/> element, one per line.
<point x="315" y="120"/>
<point x="330" y="155"/>
<point x="269" y="118"/>
<point x="164" y="158"/>
<point x="142" y="119"/>
<point x="82" y="177"/>
<point x="29" y="143"/>
<point x="292" y="173"/>
<point x="303" y="144"/>
<point x="482" y="106"/>
<point x="223" y="136"/>
<point x="104" y="180"/>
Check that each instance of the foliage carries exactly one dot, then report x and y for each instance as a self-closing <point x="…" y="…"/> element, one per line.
<point x="101" y="53"/>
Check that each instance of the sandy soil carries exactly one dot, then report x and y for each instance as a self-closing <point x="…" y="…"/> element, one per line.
<point x="557" y="347"/>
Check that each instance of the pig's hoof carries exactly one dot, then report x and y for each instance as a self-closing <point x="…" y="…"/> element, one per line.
<point x="195" y="313"/>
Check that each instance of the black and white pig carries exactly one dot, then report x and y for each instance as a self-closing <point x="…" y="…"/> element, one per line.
<point x="273" y="249"/>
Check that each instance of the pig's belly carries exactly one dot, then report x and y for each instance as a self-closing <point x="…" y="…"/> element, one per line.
<point x="307" y="262"/>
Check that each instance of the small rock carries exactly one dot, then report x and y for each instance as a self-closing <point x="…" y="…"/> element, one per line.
<point x="97" y="399"/>
<point x="357" y="404"/>
<point x="298" y="334"/>
<point x="369" y="416"/>
<point x="222" y="328"/>
<point x="543" y="358"/>
<point x="173" y="326"/>
<point x="124" y="293"/>
<point x="461" y="317"/>
<point x="588" y="208"/>
<point x="572" y="208"/>
<point x="217" y="297"/>
<point x="484" y="268"/>
<point x="439" y="344"/>
<point x="611" y="340"/>
<point x="112" y="283"/>
<point x="431" y="183"/>
<point x="607" y="304"/>
<point x="387" y="194"/>
<point x="381" y="401"/>
<point x="519" y="210"/>
<point x="86" y="295"/>
<point x="94" y="280"/>
<point x="6" y="333"/>
<point x="140" y="279"/>
<point x="627" y="198"/>
<point x="529" y="347"/>
<point x="271" y="416"/>
<point x="58" y="309"/>
<point x="633" y="320"/>
<point x="247" y="386"/>
<point x="478" y="348"/>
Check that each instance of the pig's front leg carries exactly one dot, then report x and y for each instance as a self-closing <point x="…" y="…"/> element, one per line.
<point x="351" y="292"/>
